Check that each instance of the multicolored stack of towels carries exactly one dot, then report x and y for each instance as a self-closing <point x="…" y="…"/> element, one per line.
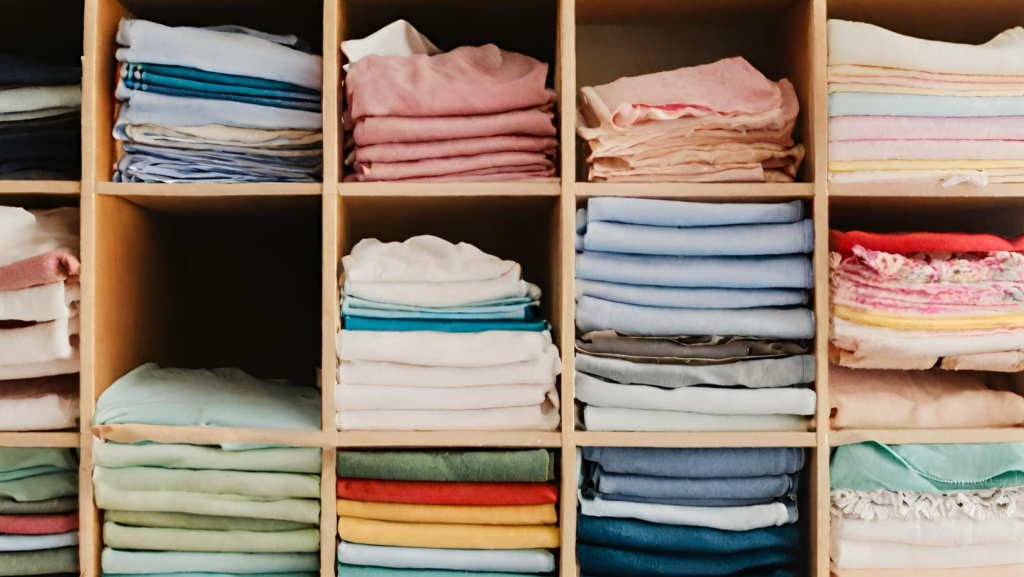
<point x="655" y="512"/>
<point x="446" y="513"/>
<point x="217" y="105"/>
<point x="904" y="109"/>
<point x="693" y="316"/>
<point x="39" y="295"/>
<point x="908" y="510"/>
<point x="38" y="512"/>
<point x="438" y="336"/>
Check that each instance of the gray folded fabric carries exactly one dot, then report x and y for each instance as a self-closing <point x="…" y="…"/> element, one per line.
<point x="677" y="213"/>
<point x="697" y="271"/>
<point x="736" y="240"/>
<point x="754" y="373"/>
<point x="685" y="349"/>
<point x="697" y="463"/>
<point x="652" y="487"/>
<point x="690" y="298"/>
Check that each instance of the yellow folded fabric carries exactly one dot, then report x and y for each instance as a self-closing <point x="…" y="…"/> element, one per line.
<point x="896" y="321"/>
<point x="462" y="514"/>
<point x="859" y="165"/>
<point x="447" y="536"/>
<point x="1008" y="90"/>
<point x="991" y="571"/>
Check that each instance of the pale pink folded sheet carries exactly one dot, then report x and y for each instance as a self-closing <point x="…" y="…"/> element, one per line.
<point x="485" y="175"/>
<point x="720" y="155"/>
<point x="384" y="129"/>
<point x="526" y="161"/>
<point x="926" y="150"/>
<point x="467" y="80"/>
<point x="627" y="144"/>
<point x="887" y="399"/>
<point x="54" y="266"/>
<point x="925" y="128"/>
<point x="404" y="152"/>
<point x="747" y="173"/>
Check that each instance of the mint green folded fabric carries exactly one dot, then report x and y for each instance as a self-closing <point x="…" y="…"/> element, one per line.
<point x="202" y="522"/>
<point x="195" y="574"/>
<point x="42" y="562"/>
<point x="40" y="487"/>
<point x="276" y="485"/>
<point x="280" y="460"/>
<point x="30" y="472"/>
<point x="19" y="458"/>
<point x="528" y="466"/>
<point x="367" y="571"/>
<point x="59" y="505"/>
<point x="296" y="510"/>
<point x="144" y="562"/>
<point x="871" y="466"/>
<point x="163" y="539"/>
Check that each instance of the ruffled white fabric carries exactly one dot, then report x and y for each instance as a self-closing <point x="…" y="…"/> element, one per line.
<point x="980" y="505"/>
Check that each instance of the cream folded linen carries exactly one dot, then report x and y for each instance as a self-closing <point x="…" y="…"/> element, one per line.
<point x="442" y="294"/>
<point x="220" y="135"/>
<point x="541" y="370"/>
<point x="724" y="518"/>
<point x="28" y="98"/>
<point x="167" y="539"/>
<point x="28" y="233"/>
<point x="46" y="413"/>
<point x="38" y="343"/>
<point x="1007" y="90"/>
<point x="250" y="484"/>
<point x="1003" y="361"/>
<point x="942" y="531"/>
<point x="866" y="341"/>
<point x="43" y="369"/>
<point x="847" y="554"/>
<point x="858" y="71"/>
<point x="870" y="45"/>
<point x="436" y="349"/>
<point x="542" y="417"/>
<point x="993" y="571"/>
<point x="41" y="303"/>
<point x="943" y="177"/>
<point x="617" y="419"/>
<point x="37" y="542"/>
<point x="421" y="259"/>
<point x="374" y="397"/>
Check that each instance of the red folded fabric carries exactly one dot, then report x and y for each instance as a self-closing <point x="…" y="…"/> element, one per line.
<point x="38" y="524"/>
<point x="438" y="493"/>
<point x="54" y="266"/>
<point x="911" y="242"/>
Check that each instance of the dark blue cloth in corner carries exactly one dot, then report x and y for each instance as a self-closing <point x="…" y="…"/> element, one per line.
<point x="608" y="562"/>
<point x="640" y="535"/>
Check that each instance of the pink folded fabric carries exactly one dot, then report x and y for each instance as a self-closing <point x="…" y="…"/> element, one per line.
<point x="54" y="266"/>
<point x="467" y="80"/>
<point x="404" y="152"/>
<point x="925" y="128"/>
<point x="706" y="174"/>
<point x="926" y="150"/>
<point x="455" y="165"/>
<point x="738" y="153"/>
<point x="385" y="129"/>
<point x="485" y="175"/>
<point x="629" y="144"/>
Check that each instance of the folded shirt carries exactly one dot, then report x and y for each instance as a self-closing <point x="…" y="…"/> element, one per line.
<point x="732" y="240"/>
<point x="170" y="456"/>
<point x="620" y="419"/>
<point x="697" y="463"/>
<point x="447" y="493"/>
<point x="447" y="536"/>
<point x="236" y="541"/>
<point x="141" y="562"/>
<point x="425" y="348"/>
<point x="681" y="539"/>
<point x="543" y="514"/>
<point x="521" y="466"/>
<point x="168" y="110"/>
<point x="724" y="518"/>
<point x="754" y="373"/>
<point x="613" y="561"/>
<point x="513" y="561"/>
<point x="697" y="271"/>
<point x="117" y="499"/>
<point x="371" y="131"/>
<point x="9" y="506"/>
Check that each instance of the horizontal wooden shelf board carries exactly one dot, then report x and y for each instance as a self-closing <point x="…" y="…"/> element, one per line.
<point x="697" y="190"/>
<point x="924" y="436"/>
<point x="426" y="439"/>
<point x="237" y="189"/>
<point x="546" y="187"/>
<point x="66" y="187"/>
<point x="696" y="439"/>
<point x="926" y="190"/>
<point x="41" y="439"/>
<point x="207" y="435"/>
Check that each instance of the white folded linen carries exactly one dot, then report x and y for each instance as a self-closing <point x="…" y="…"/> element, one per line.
<point x="30" y="98"/>
<point x="46" y="413"/>
<point x="38" y="343"/>
<point x="41" y="369"/>
<point x="543" y="417"/>
<point x="848" y="554"/>
<point x="27" y="233"/>
<point x="501" y="561"/>
<point x="618" y="419"/>
<point x="868" y="341"/>
<point x="939" y="532"/>
<point x="442" y="294"/>
<point x="40" y="303"/>
<point x="421" y="259"/>
<point x="396" y="39"/>
<point x="725" y="518"/>
<point x="437" y="349"/>
<point x="38" y="542"/>
<point x="542" y="370"/>
<point x="375" y="397"/>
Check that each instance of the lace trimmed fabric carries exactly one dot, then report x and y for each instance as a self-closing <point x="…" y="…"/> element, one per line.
<point x="978" y="505"/>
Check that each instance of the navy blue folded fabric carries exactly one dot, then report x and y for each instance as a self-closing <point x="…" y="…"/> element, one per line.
<point x="23" y="71"/>
<point x="697" y="463"/>
<point x="644" y="536"/>
<point x="775" y="573"/>
<point x="610" y="562"/>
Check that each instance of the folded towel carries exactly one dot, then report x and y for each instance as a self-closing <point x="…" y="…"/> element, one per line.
<point x="167" y="456"/>
<point x="849" y="554"/>
<point x="514" y="560"/>
<point x="47" y="268"/>
<point x="40" y="303"/>
<point x="446" y="493"/>
<point x="523" y="466"/>
<point x="39" y="413"/>
<point x="166" y="539"/>
<point x="681" y="539"/>
<point x="543" y="514"/>
<point x="39" y="342"/>
<point x="447" y="536"/>
<point x="41" y="369"/>
<point x="38" y="524"/>
<point x="952" y="531"/>
<point x="725" y="518"/>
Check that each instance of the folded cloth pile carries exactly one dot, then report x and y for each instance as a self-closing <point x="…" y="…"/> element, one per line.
<point x="40" y="120"/>
<point x="38" y="512"/>
<point x="692" y="316"/>
<point x="905" y="301"/>
<point x="438" y="336"/>
<point x="187" y="509"/>
<point x="904" y="109"/>
<point x="719" y="122"/>
<point x="222" y="104"/>
<point x="928" y="510"/>
<point x="446" y="513"/>
<point x="39" y="294"/>
<point x="473" y="114"/>
<point x="654" y="512"/>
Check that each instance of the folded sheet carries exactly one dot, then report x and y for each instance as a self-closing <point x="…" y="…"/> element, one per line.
<point x="371" y="397"/>
<point x="611" y="561"/>
<point x="542" y="417"/>
<point x="848" y="554"/>
<point x="447" y="536"/>
<point x="724" y="518"/>
<point x="143" y="562"/>
<point x="40" y="303"/>
<point x="938" y="532"/>
<point x="863" y="104"/>
<point x="200" y="522"/>
<point x="991" y="571"/>
<point x="681" y="539"/>
<point x="926" y="150"/>
<point x="541" y="370"/>
<point x="697" y="271"/>
<point x="619" y="419"/>
<point x="169" y="456"/>
<point x="410" y="129"/>
<point x="678" y="488"/>
<point x="167" y="539"/>
<point x="524" y="466"/>
<point x="442" y="294"/>
<point x="446" y="493"/>
<point x="444" y="349"/>
<point x="688" y="298"/>
<point x="543" y="514"/>
<point x="754" y="373"/>
<point x="268" y="485"/>
<point x="733" y="240"/>
<point x="976" y="129"/>
<point x="37" y="542"/>
<point x="511" y="561"/>
<point x="671" y="213"/>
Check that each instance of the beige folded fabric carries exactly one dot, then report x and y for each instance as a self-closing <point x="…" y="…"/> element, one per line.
<point x="992" y="571"/>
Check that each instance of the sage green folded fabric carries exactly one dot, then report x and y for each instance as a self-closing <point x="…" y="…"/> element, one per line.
<point x="163" y="539"/>
<point x="40" y="487"/>
<point x="143" y="562"/>
<point x="279" y="460"/>
<point x="202" y="522"/>
<point x="41" y="562"/>
<point x="297" y="510"/>
<point x="276" y="485"/>
<point x="58" y="505"/>
<point x="18" y="458"/>
<point x="529" y="466"/>
<point x="368" y="571"/>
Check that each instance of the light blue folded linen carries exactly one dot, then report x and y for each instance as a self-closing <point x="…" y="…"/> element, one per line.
<point x="690" y="298"/>
<point x="676" y="213"/>
<point x="697" y="463"/>
<point x="164" y="110"/>
<point x="793" y="271"/>
<point x="871" y="104"/>
<point x="352" y="307"/>
<point x="736" y="240"/>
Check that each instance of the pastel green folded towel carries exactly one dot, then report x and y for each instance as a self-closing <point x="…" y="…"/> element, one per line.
<point x="529" y="466"/>
<point x="58" y="505"/>
<point x="276" y="485"/>
<point x="279" y="460"/>
<point x="163" y="539"/>
<point x="202" y="522"/>
<point x="144" y="562"/>
<point x="19" y="458"/>
<point x="367" y="571"/>
<point x="296" y="510"/>
<point x="42" y="562"/>
<point x="40" y="487"/>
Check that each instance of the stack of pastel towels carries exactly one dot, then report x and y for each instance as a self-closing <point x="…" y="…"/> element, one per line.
<point x="417" y="113"/>
<point x="439" y="336"/>
<point x="693" y="316"/>
<point x="39" y="295"/>
<point x="718" y="122"/>
<point x="187" y="509"/>
<point x="446" y="513"/>
<point x="38" y="512"/>
<point x="217" y="105"/>
<point x="655" y="512"/>
<point x="40" y="120"/>
<point x="927" y="510"/>
<point x="904" y="109"/>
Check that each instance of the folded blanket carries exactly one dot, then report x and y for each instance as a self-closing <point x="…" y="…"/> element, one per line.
<point x="694" y="488"/>
<point x="913" y="242"/>
<point x="141" y="562"/>
<point x="37" y="542"/>
<point x="405" y="129"/>
<point x="848" y="554"/>
<point x="865" y="104"/>
<point x="363" y="571"/>
<point x="734" y="240"/>
<point x="200" y="522"/>
<point x="976" y="129"/>
<point x="515" y="561"/>
<point x="615" y="562"/>
<point x="541" y="370"/>
<point x="724" y="518"/>
<point x="43" y="562"/>
<point x="268" y="485"/>
<point x="40" y="303"/>
<point x="937" y="532"/>
<point x="672" y="213"/>
<point x="46" y="268"/>
<point x="413" y="151"/>
<point x="542" y="417"/>
<point x="39" y="342"/>
<point x="523" y="466"/>
<point x="680" y="539"/>
<point x="165" y="539"/>
<point x="442" y="294"/>
<point x="447" y="536"/>
<point x="371" y="397"/>
<point x="444" y="349"/>
<point x="618" y="419"/>
<point x="689" y="298"/>
<point x="446" y="493"/>
<point x="296" y="510"/>
<point x="38" y="524"/>
<point x="530" y="323"/>
<point x="754" y="373"/>
<point x="165" y="456"/>
<point x="867" y="86"/>
<point x="681" y="349"/>
<point x="543" y="514"/>
<point x="697" y="463"/>
<point x="697" y="271"/>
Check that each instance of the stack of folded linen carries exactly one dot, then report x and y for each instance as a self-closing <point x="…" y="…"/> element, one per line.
<point x="446" y="513"/>
<point x="186" y="509"/>
<point x="719" y="122"/>
<point x="439" y="336"/>
<point x="654" y="512"/>
<point x="473" y="114"/>
<point x="903" y="109"/>
<point x="39" y="293"/>
<point x="907" y="510"/>
<point x="693" y="316"/>
<point x="38" y="512"/>
<point x="223" y="104"/>
<point x="40" y="120"/>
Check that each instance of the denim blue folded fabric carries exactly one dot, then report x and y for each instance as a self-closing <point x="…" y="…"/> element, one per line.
<point x="690" y="298"/>
<point x="644" y="536"/>
<point x="444" y="326"/>
<point x="697" y="271"/>
<point x="304" y="164"/>
<point x="676" y="213"/>
<point x="763" y="487"/>
<point x="870" y="104"/>
<point x="194" y="74"/>
<point x="126" y="88"/>
<point x="697" y="463"/>
<point x="167" y="170"/>
<point x="752" y="373"/>
<point x="345" y="570"/>
<point x="612" y="562"/>
<point x="24" y="71"/>
<point x="735" y="240"/>
<point x="598" y="315"/>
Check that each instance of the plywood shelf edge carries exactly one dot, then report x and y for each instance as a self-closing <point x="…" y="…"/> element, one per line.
<point x="926" y="190"/>
<point x="57" y="187"/>
<point x="239" y="189"/>
<point x="41" y="439"/>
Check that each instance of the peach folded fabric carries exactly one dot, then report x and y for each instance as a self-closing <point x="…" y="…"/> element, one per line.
<point x="450" y="514"/>
<point x="409" y="151"/>
<point x="434" y="167"/>
<point x="926" y="149"/>
<point x="447" y="536"/>
<point x="537" y="121"/>
<point x="992" y="571"/>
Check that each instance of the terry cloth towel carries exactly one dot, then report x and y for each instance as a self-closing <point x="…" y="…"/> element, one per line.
<point x="345" y="570"/>
<point x="913" y="242"/>
<point x="615" y="562"/>
<point x="697" y="271"/>
<point x="734" y="240"/>
<point x="847" y="554"/>
<point x="542" y="417"/>
<point x="755" y="373"/>
<point x="166" y="539"/>
<point x="38" y="524"/>
<point x="40" y="303"/>
<point x="444" y="349"/>
<point x="671" y="213"/>
<point x="681" y="539"/>
<point x="512" y="561"/>
<point x="37" y="542"/>
<point x="369" y="397"/>
<point x="225" y="397"/>
<point x="201" y="522"/>
<point x="143" y="562"/>
<point x="619" y="419"/>
<point x="450" y="514"/>
<point x="44" y="562"/>
<point x="676" y="488"/>
<point x="445" y="493"/>
<point x="9" y="506"/>
<point x="524" y="466"/>
<point x="724" y="518"/>
<point x="689" y="298"/>
<point x="447" y="536"/>
<point x="697" y="463"/>
<point x="165" y="456"/>
<point x="269" y="485"/>
<point x="953" y="531"/>
<point x="541" y="370"/>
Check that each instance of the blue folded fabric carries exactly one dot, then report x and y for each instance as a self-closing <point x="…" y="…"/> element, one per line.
<point x="677" y="213"/>
<point x="345" y="570"/>
<point x="499" y="305"/>
<point x="195" y="74"/>
<point x="698" y="463"/>
<point x="690" y="298"/>
<point x="762" y="487"/>
<point x="125" y="89"/>
<point x="444" y="326"/>
<point x="735" y="240"/>
<point x="697" y="271"/>
<point x="644" y="536"/>
<point x="612" y="562"/>
<point x="679" y="502"/>
<point x="225" y="83"/>
<point x="870" y="104"/>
